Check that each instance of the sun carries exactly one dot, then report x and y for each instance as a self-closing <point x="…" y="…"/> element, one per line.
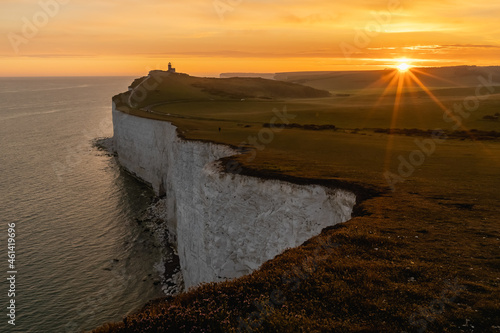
<point x="403" y="67"/>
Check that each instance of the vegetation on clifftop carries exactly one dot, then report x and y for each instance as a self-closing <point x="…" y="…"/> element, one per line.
<point x="164" y="87"/>
<point x="423" y="251"/>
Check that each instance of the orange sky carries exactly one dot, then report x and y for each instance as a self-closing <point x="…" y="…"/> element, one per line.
<point x="207" y="37"/>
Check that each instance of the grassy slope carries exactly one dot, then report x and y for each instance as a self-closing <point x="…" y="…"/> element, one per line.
<point x="424" y="256"/>
<point x="170" y="88"/>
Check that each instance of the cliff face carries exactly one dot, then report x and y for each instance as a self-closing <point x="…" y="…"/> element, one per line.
<point x="224" y="225"/>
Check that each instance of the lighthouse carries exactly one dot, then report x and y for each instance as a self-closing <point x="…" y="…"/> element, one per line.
<point x="170" y="69"/>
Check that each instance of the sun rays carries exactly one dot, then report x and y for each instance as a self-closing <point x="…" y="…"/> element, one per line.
<point x="404" y="80"/>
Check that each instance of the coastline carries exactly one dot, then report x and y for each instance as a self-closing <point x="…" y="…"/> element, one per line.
<point x="214" y="217"/>
<point x="383" y="267"/>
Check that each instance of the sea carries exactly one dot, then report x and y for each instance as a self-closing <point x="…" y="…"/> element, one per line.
<point x="73" y="255"/>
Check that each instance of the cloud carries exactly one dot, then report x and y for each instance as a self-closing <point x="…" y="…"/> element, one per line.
<point x="470" y="46"/>
<point x="465" y="29"/>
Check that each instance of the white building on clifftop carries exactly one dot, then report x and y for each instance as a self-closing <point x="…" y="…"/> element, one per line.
<point x="159" y="71"/>
<point x="170" y="69"/>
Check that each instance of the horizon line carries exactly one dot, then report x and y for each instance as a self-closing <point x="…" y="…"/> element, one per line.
<point x="243" y="72"/>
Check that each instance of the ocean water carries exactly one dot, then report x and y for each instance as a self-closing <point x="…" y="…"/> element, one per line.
<point x="80" y="256"/>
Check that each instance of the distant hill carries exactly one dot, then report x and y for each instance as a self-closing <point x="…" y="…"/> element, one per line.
<point x="438" y="77"/>
<point x="269" y="76"/>
<point x="164" y="87"/>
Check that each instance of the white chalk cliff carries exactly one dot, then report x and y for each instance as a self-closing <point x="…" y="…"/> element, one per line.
<point x="224" y="225"/>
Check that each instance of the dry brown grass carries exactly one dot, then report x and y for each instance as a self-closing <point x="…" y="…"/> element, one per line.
<point x="423" y="258"/>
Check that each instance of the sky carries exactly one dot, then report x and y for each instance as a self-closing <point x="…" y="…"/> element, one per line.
<point x="208" y="37"/>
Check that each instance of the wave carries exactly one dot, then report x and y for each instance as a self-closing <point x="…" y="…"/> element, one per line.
<point x="21" y="115"/>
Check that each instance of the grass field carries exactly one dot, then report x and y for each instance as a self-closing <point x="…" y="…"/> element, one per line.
<point x="423" y="252"/>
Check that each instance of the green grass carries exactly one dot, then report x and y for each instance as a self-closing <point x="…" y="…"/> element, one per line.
<point x="424" y="256"/>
